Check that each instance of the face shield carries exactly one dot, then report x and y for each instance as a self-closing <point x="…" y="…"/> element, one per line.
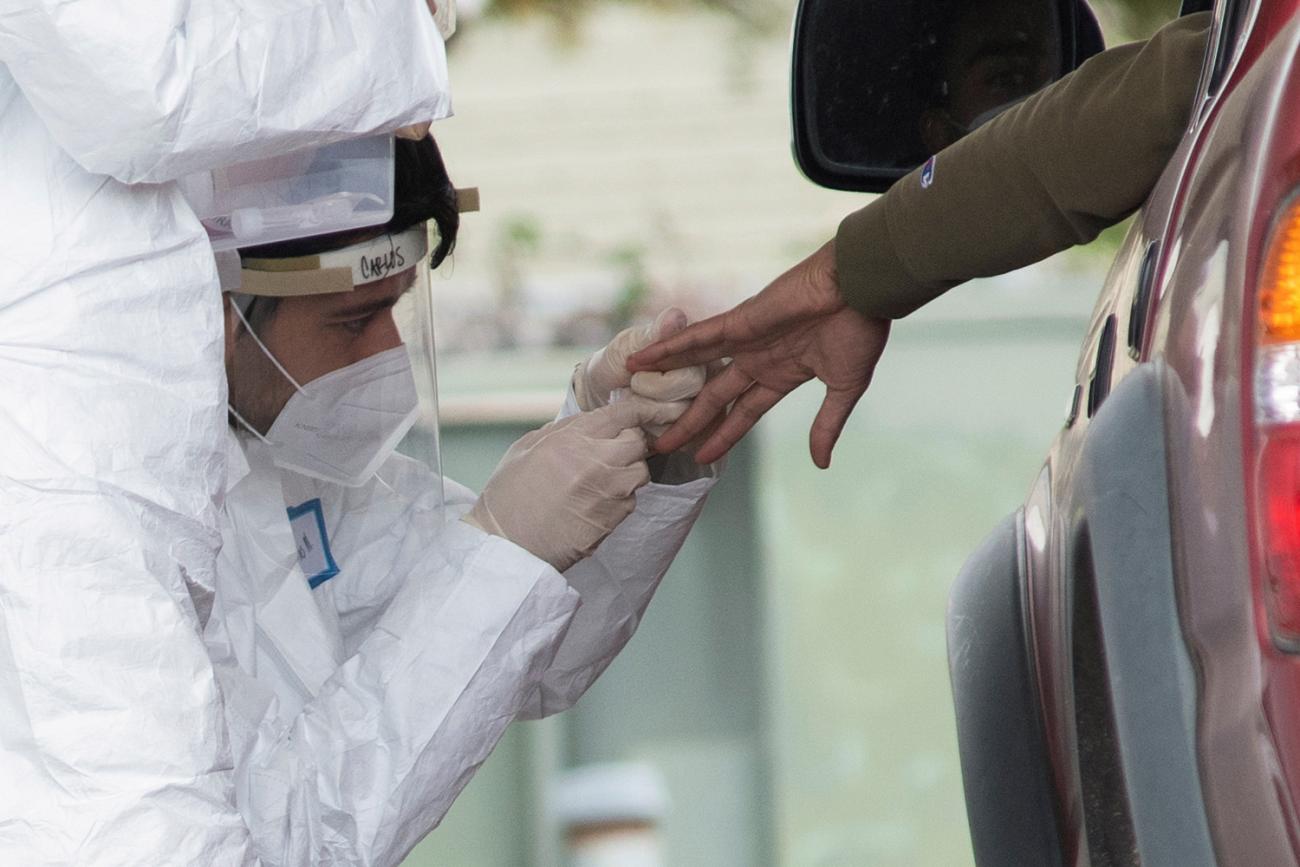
<point x="331" y="368"/>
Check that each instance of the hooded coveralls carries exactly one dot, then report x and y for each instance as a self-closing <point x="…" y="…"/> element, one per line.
<point x="113" y="743"/>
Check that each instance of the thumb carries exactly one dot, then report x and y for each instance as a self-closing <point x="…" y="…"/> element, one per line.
<point x="634" y="411"/>
<point x="636" y="338"/>
<point x="666" y="324"/>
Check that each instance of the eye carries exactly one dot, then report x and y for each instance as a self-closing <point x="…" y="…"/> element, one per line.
<point x="1010" y="77"/>
<point x="356" y="326"/>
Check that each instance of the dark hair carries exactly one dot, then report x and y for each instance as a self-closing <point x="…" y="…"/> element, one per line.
<point x="422" y="191"/>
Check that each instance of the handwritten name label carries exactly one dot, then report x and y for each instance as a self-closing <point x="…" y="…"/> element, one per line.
<point x="378" y="267"/>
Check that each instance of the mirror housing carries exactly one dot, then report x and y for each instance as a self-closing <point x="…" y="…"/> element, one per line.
<point x="879" y="86"/>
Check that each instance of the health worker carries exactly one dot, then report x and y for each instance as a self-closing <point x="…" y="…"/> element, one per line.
<point x="113" y="737"/>
<point x="373" y="626"/>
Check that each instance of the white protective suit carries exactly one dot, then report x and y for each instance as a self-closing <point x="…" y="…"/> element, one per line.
<point x="113" y="745"/>
<point x="360" y="708"/>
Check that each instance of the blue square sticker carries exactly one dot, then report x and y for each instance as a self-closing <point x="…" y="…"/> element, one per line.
<point x="307" y="523"/>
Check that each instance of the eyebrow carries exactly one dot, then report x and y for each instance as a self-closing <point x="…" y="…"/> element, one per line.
<point x="365" y="308"/>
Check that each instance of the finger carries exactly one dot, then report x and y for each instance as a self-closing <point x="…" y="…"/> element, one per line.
<point x="745" y="413"/>
<point x="633" y="412"/>
<point x="668" y="323"/>
<point x="808" y="289"/>
<point x="694" y="445"/>
<point x="626" y="481"/>
<point x="695" y="344"/>
<point x="630" y="340"/>
<point x="607" y="369"/>
<point x="629" y="447"/>
<point x="681" y="384"/>
<point x="710" y="403"/>
<point x="829" y="423"/>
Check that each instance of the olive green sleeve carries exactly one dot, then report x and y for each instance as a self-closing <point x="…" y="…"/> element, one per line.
<point x="1049" y="173"/>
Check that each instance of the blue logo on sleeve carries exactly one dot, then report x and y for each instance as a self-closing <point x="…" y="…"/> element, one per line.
<point x="927" y="173"/>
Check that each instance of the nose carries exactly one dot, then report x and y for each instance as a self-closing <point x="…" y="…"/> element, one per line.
<point x="381" y="336"/>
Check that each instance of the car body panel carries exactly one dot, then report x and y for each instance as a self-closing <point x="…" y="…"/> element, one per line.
<point x="1141" y="667"/>
<point x="1143" y="684"/>
<point x="1170" y="719"/>
<point x="1199" y="331"/>
<point x="1005" y="770"/>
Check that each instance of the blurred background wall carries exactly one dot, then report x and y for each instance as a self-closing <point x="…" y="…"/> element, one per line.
<point x="789" y="683"/>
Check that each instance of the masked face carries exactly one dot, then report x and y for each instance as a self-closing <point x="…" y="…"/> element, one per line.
<point x="310" y="336"/>
<point x="329" y="382"/>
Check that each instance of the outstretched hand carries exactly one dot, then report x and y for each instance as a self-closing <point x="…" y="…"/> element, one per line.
<point x="796" y="329"/>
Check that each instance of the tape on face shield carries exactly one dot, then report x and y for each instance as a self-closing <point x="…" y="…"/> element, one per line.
<point x="332" y="361"/>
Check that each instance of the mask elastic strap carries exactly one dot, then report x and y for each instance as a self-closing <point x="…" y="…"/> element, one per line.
<point x="248" y="427"/>
<point x="265" y="351"/>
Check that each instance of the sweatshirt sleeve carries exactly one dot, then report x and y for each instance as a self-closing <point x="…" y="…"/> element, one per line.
<point x="149" y="92"/>
<point x="1050" y="173"/>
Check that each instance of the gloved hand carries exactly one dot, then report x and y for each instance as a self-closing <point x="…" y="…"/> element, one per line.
<point x="561" y="489"/>
<point x="606" y="370"/>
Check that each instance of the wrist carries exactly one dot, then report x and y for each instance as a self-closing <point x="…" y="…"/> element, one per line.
<point x="821" y="281"/>
<point x="480" y="518"/>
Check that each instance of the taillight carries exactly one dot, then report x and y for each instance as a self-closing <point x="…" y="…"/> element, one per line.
<point x="1277" y="426"/>
<point x="1279" y="287"/>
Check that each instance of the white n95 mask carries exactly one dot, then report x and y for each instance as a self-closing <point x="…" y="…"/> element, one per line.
<point x="342" y="426"/>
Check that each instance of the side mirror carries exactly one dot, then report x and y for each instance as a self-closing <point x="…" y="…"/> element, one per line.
<point x="879" y="86"/>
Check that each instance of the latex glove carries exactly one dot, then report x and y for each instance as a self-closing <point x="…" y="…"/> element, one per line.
<point x="606" y="370"/>
<point x="561" y="489"/>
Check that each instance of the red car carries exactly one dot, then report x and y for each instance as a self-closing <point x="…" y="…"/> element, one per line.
<point x="1125" y="648"/>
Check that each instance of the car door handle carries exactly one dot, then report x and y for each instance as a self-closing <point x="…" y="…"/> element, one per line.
<point x="1140" y="311"/>
<point x="1099" y="382"/>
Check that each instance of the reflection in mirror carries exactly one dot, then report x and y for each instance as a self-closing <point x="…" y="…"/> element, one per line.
<point x="890" y="83"/>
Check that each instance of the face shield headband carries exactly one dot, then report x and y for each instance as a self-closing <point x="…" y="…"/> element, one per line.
<point x="337" y="270"/>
